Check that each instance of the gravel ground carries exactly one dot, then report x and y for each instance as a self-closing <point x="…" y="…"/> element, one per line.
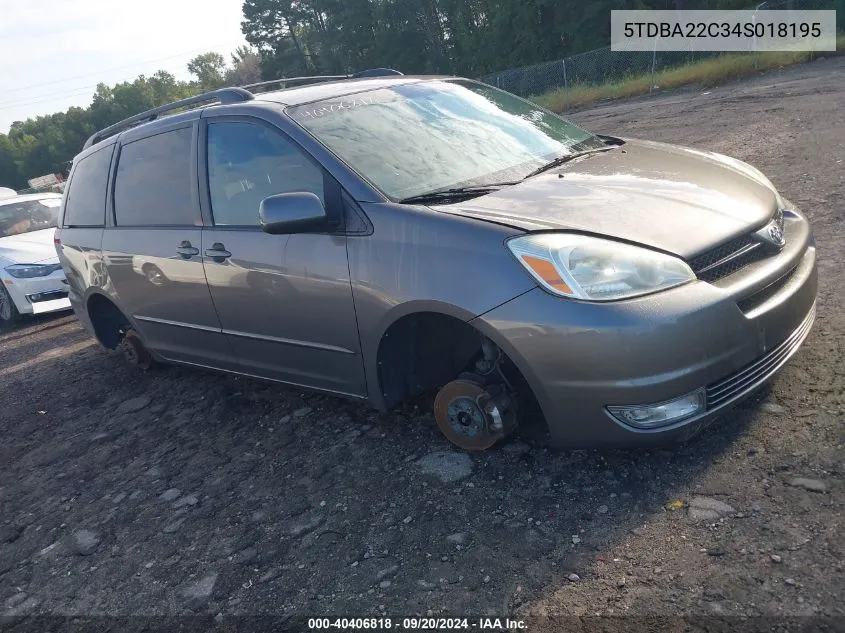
<point x="180" y="492"/>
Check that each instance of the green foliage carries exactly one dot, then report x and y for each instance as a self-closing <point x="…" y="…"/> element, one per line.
<point x="306" y="37"/>
<point x="47" y="144"/>
<point x="208" y="68"/>
<point x="464" y="37"/>
<point x="467" y="37"/>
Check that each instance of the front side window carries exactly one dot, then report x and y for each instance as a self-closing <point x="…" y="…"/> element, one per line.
<point x="86" y="194"/>
<point x="415" y="138"/>
<point x="248" y="162"/>
<point x="25" y="216"/>
<point x="153" y="182"/>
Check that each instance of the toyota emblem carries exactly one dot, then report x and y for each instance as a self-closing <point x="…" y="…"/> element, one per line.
<point x="776" y="233"/>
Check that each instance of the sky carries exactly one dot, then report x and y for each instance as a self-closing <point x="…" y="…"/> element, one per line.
<point x="53" y="53"/>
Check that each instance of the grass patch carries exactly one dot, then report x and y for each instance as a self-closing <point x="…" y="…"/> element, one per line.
<point x="705" y="73"/>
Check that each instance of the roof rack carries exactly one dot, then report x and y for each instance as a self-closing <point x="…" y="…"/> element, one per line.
<point x="375" y="72"/>
<point x="285" y="81"/>
<point x="223" y="95"/>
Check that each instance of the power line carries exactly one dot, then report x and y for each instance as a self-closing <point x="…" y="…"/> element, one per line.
<point x="75" y="93"/>
<point x="102" y="72"/>
<point x="53" y="96"/>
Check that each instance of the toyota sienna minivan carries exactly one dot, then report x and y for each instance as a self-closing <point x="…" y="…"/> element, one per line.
<point x="378" y="236"/>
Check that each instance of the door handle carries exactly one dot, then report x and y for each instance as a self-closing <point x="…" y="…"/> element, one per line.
<point x="217" y="253"/>
<point x="186" y="251"/>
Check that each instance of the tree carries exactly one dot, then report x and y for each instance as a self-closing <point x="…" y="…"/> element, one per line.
<point x="271" y="26"/>
<point x="245" y="69"/>
<point x="289" y="38"/>
<point x="208" y="68"/>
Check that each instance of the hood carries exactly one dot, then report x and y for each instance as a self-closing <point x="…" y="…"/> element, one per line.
<point x="36" y="247"/>
<point x="675" y="199"/>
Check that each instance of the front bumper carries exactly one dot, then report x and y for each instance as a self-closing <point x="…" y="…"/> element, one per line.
<point x="581" y="357"/>
<point x="38" y="295"/>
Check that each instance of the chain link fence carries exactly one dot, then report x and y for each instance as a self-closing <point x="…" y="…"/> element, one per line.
<point x="602" y="65"/>
<point x="593" y="67"/>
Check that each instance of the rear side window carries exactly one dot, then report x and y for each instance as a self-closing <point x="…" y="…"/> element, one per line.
<point x="86" y="195"/>
<point x="153" y="182"/>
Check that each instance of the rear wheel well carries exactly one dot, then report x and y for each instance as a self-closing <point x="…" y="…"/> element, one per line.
<point x="109" y="323"/>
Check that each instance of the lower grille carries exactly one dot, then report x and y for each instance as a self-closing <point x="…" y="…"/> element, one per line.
<point x="750" y="376"/>
<point x="49" y="295"/>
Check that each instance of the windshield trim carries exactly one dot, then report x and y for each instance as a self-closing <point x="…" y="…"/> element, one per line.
<point x="288" y="108"/>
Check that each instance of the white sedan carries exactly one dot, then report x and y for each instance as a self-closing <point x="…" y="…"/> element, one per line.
<point x="31" y="278"/>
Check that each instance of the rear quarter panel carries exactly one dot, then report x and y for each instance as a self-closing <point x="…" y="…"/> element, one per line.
<point x="82" y="261"/>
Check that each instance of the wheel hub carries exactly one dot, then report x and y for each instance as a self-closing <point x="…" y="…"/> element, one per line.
<point x="465" y="417"/>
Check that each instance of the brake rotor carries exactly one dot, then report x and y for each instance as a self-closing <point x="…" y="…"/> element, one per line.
<point x="135" y="352"/>
<point x="460" y="417"/>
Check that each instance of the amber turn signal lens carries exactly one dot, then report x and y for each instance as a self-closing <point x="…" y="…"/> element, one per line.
<point x="547" y="272"/>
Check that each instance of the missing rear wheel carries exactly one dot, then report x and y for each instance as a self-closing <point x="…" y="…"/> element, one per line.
<point x="135" y="352"/>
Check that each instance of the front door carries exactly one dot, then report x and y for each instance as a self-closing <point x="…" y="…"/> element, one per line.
<point x="152" y="251"/>
<point x="284" y="301"/>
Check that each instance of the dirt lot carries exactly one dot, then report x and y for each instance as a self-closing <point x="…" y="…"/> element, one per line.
<point x="178" y="491"/>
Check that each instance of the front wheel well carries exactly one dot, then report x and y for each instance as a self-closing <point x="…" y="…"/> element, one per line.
<point x="423" y="351"/>
<point x="109" y="323"/>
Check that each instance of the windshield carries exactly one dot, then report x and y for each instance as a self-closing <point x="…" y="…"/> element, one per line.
<point x="417" y="138"/>
<point x="25" y="216"/>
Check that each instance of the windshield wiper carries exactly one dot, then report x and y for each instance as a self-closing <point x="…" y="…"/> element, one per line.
<point x="462" y="193"/>
<point x="560" y="160"/>
<point x="456" y="193"/>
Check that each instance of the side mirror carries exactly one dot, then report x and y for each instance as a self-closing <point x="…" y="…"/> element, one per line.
<point x="298" y="212"/>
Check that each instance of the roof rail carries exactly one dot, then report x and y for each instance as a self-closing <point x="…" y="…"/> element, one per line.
<point x="223" y="95"/>
<point x="287" y="80"/>
<point x="375" y="72"/>
<point x="284" y="81"/>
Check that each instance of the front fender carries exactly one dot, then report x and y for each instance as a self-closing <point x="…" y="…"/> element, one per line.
<point x="422" y="261"/>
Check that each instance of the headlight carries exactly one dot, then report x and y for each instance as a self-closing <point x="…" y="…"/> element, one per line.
<point x="595" y="269"/>
<point x="27" y="271"/>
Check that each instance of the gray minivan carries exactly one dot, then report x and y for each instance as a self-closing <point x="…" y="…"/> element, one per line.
<point x="384" y="235"/>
